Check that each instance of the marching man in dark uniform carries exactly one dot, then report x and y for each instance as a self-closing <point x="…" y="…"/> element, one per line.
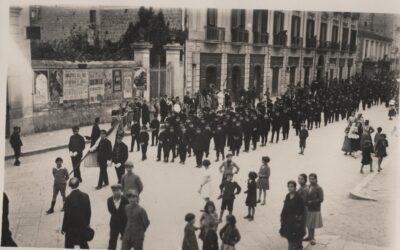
<point x="170" y="146"/>
<point x="104" y="156"/>
<point x="162" y="139"/>
<point x="276" y="126"/>
<point x="77" y="214"/>
<point x="265" y="126"/>
<point x="237" y="138"/>
<point x="285" y="124"/>
<point x="116" y="206"/>
<point x="183" y="143"/>
<point x="220" y="140"/>
<point x="255" y="133"/>
<point x="135" y="131"/>
<point x="155" y="129"/>
<point x="144" y="141"/>
<point x="76" y="146"/>
<point x="119" y="157"/>
<point x="199" y="145"/>
<point x="95" y="132"/>
<point x="247" y="131"/>
<point x="16" y="143"/>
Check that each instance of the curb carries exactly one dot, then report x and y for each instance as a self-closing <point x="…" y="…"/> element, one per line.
<point x="356" y="194"/>
<point x="45" y="150"/>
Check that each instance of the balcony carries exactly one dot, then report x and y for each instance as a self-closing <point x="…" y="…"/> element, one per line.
<point x="280" y="39"/>
<point x="345" y="47"/>
<point x="335" y="46"/>
<point x="353" y="48"/>
<point x="323" y="45"/>
<point x="311" y="43"/>
<point x="260" y="38"/>
<point x="296" y="42"/>
<point x="239" y="36"/>
<point x="215" y="34"/>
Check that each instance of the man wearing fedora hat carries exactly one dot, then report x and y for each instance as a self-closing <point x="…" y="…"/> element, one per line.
<point x="116" y="206"/>
<point x="137" y="223"/>
<point x="16" y="143"/>
<point x="77" y="214"/>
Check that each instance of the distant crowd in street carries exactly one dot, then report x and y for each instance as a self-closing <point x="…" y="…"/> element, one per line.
<point x="182" y="129"/>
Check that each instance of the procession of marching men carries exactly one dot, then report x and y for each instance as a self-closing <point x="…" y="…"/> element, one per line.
<point x="184" y="129"/>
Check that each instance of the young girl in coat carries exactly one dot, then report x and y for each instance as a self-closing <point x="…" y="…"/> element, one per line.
<point x="229" y="234"/>
<point x="251" y="199"/>
<point x="190" y="240"/>
<point x="366" y="156"/>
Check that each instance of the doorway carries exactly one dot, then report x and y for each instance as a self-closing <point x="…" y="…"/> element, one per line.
<point x="320" y="67"/>
<point x="236" y="74"/>
<point x="306" y="75"/>
<point x="275" y="80"/>
<point x="211" y="77"/>
<point x="258" y="83"/>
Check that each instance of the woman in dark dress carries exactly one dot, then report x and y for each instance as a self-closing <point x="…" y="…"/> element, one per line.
<point x="293" y="218"/>
<point x="366" y="156"/>
<point x="251" y="199"/>
<point x="380" y="147"/>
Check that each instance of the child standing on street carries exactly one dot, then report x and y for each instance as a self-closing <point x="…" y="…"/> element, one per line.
<point x="16" y="143"/>
<point x="229" y="189"/>
<point x="251" y="200"/>
<point x="60" y="183"/>
<point x="189" y="239"/>
<point x="381" y="146"/>
<point x="229" y="234"/>
<point x="303" y="137"/>
<point x="366" y="156"/>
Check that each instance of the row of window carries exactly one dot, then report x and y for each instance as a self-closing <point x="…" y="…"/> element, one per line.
<point x="260" y="24"/>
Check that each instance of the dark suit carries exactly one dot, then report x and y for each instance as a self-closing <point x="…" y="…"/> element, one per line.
<point x="117" y="220"/>
<point x="6" y="239"/>
<point x="104" y="154"/>
<point x="76" y="144"/>
<point x="77" y="213"/>
<point x="120" y="155"/>
<point x="95" y="134"/>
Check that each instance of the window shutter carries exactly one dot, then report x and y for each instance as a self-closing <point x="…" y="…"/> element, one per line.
<point x="234" y="21"/>
<point x="293" y="33"/>
<point x="242" y="19"/>
<point x="264" y="21"/>
<point x="256" y="14"/>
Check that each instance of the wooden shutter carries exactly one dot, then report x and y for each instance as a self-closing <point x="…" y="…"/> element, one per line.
<point x="256" y="20"/>
<point x="264" y="20"/>
<point x="242" y="23"/>
<point x="212" y="17"/>
<point x="234" y="21"/>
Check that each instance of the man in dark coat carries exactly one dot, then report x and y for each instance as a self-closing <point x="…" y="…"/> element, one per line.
<point x="119" y="157"/>
<point x="77" y="214"/>
<point x="170" y="144"/>
<point x="116" y="206"/>
<point x="276" y="126"/>
<point x="162" y="138"/>
<point x="285" y="124"/>
<point x="16" y="143"/>
<point x="155" y="129"/>
<point x="95" y="132"/>
<point x="183" y="142"/>
<point x="76" y="146"/>
<point x="265" y="126"/>
<point x="6" y="238"/>
<point x="199" y="146"/>
<point x="163" y="108"/>
<point x="237" y="138"/>
<point x="135" y="131"/>
<point x="144" y="142"/>
<point x="104" y="156"/>
<point x="247" y="131"/>
<point x="220" y="141"/>
<point x="145" y="113"/>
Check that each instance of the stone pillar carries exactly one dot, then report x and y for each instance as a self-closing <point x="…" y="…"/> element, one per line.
<point x="247" y="68"/>
<point x="19" y="74"/>
<point x="175" y="86"/>
<point x="142" y="55"/>
<point x="224" y="71"/>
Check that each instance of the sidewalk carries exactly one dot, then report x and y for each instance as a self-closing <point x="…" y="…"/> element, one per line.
<point x="332" y="242"/>
<point x="47" y="141"/>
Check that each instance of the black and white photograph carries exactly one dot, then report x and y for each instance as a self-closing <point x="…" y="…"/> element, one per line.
<point x="208" y="126"/>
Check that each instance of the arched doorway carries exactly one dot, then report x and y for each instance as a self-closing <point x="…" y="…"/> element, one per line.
<point x="258" y="81"/>
<point x="211" y="76"/>
<point x="320" y="67"/>
<point x="236" y="74"/>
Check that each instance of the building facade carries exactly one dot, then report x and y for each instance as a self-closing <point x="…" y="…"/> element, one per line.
<point x="267" y="49"/>
<point x="375" y="39"/>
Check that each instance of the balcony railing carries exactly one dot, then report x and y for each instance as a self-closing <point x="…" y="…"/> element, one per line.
<point x="353" y="48"/>
<point x="296" y="42"/>
<point x="260" y="38"/>
<point x="280" y="39"/>
<point x="323" y="45"/>
<point x="239" y="35"/>
<point x="335" y="46"/>
<point x="215" y="34"/>
<point x="344" y="47"/>
<point x="311" y="43"/>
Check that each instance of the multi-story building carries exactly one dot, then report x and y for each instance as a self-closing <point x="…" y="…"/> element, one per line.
<point x="375" y="39"/>
<point x="267" y="49"/>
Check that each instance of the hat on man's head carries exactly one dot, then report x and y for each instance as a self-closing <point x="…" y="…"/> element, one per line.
<point x="75" y="128"/>
<point x="132" y="193"/>
<point x="128" y="164"/>
<point x="116" y="187"/>
<point x="120" y="136"/>
<point x="16" y="128"/>
<point x="229" y="155"/>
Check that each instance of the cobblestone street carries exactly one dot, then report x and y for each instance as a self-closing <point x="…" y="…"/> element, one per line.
<point x="170" y="191"/>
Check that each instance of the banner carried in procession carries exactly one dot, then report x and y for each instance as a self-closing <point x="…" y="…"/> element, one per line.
<point x="96" y="85"/>
<point x="76" y="84"/>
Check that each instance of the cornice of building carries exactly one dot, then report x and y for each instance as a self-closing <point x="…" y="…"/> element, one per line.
<point x="370" y="34"/>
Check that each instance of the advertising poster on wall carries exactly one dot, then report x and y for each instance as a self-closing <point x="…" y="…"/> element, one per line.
<point x="76" y="84"/>
<point x="117" y="80"/>
<point x="127" y="83"/>
<point x="40" y="96"/>
<point x="108" y="84"/>
<point x="96" y="85"/>
<point x="55" y="84"/>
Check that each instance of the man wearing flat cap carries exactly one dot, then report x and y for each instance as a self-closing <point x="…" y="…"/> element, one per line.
<point x="116" y="206"/>
<point x="76" y="146"/>
<point x="119" y="157"/>
<point x="137" y="223"/>
<point x="130" y="180"/>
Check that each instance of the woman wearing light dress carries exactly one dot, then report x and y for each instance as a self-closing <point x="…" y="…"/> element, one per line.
<point x="206" y="189"/>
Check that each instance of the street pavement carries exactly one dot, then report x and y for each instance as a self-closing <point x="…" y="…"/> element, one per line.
<point x="170" y="191"/>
